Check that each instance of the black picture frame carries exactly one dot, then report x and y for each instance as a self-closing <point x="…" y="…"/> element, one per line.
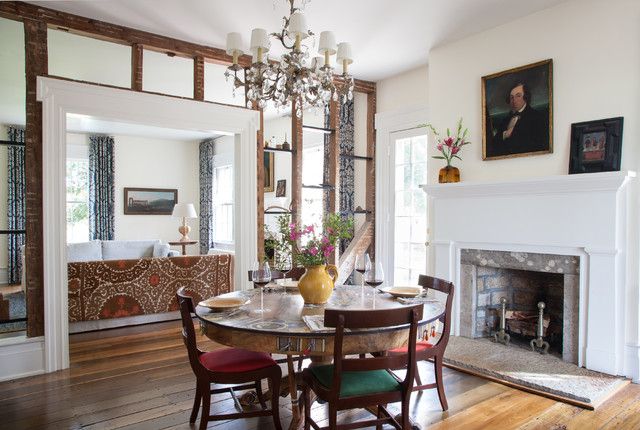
<point x="517" y="112"/>
<point x="149" y="201"/>
<point x="269" y="172"/>
<point x="596" y="146"/>
<point x="281" y="188"/>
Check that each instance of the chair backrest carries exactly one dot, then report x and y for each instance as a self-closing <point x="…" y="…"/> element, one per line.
<point x="188" y="332"/>
<point x="446" y="287"/>
<point x="368" y="319"/>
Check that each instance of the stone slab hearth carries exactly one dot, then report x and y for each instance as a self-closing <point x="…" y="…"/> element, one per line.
<point x="488" y="275"/>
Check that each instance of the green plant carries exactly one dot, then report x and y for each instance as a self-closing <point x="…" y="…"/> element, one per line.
<point x="449" y="146"/>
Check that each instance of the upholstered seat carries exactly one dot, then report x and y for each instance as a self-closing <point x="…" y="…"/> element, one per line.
<point x="357" y="383"/>
<point x="420" y="345"/>
<point x="235" y="360"/>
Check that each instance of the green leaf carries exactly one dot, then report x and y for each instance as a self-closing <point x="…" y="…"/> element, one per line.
<point x="439" y="157"/>
<point x="455" y="156"/>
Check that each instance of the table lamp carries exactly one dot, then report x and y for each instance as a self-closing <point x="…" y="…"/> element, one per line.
<point x="184" y="210"/>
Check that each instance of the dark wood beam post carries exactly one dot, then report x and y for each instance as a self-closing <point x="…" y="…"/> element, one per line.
<point x="371" y="166"/>
<point x="198" y="78"/>
<point x="296" y="165"/>
<point x="136" y="66"/>
<point x="333" y="164"/>
<point x="36" y="59"/>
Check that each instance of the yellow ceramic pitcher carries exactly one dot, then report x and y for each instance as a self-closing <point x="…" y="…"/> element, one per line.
<point x="316" y="285"/>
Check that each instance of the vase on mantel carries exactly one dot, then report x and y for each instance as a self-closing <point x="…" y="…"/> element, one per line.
<point x="316" y="285"/>
<point x="448" y="174"/>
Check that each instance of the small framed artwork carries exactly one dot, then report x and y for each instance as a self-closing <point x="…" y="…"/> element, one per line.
<point x="281" y="188"/>
<point x="149" y="201"/>
<point x="596" y="146"/>
<point x="517" y="112"/>
<point x="268" y="172"/>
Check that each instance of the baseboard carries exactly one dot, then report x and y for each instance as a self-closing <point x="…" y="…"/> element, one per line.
<point x="4" y="276"/>
<point x="21" y="357"/>
<point x="82" y="326"/>
<point x="632" y="362"/>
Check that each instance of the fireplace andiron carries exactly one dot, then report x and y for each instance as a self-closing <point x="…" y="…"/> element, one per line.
<point x="501" y="336"/>
<point x="539" y="342"/>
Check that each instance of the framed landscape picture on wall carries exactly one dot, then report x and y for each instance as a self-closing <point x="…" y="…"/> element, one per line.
<point x="149" y="201"/>
<point x="517" y="112"/>
<point x="268" y="172"/>
<point x="596" y="146"/>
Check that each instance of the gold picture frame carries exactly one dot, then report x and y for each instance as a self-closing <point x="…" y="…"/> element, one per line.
<point x="268" y="172"/>
<point x="517" y="112"/>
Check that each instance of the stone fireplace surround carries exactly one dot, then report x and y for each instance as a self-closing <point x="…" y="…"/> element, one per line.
<point x="484" y="274"/>
<point x="582" y="215"/>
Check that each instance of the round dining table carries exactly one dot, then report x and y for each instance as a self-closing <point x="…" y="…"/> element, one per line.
<point x="276" y="320"/>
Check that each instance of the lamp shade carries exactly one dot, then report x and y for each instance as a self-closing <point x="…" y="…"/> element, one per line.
<point x="234" y="43"/>
<point x="344" y="53"/>
<point x="259" y="39"/>
<point x="327" y="43"/>
<point x="298" y="26"/>
<point x="184" y="210"/>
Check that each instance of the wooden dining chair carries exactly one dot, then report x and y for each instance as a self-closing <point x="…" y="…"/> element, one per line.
<point x="428" y="349"/>
<point x="227" y="366"/>
<point x="363" y="382"/>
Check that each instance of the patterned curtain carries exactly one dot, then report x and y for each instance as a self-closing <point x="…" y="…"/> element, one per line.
<point x="15" y="203"/>
<point x="101" y="187"/>
<point x="346" y="164"/>
<point x="206" y="196"/>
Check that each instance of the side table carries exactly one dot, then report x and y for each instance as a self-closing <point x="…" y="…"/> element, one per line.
<point x="183" y="244"/>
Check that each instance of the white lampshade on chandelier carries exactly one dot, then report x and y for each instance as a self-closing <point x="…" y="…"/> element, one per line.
<point x="308" y="81"/>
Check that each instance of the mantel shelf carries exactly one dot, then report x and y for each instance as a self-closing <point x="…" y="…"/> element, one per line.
<point x="271" y="149"/>
<point x="356" y="157"/>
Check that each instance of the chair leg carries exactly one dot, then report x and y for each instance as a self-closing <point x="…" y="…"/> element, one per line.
<point x="196" y="405"/>
<point x="406" y="424"/>
<point x="437" y="363"/>
<point x="418" y="380"/>
<point x="380" y="415"/>
<point x="300" y="360"/>
<point x="274" y="383"/>
<point x="205" y="392"/>
<point x="258" y="386"/>
<point x="333" y="417"/>
<point x="306" y="398"/>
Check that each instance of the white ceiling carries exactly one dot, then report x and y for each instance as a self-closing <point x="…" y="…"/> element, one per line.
<point x="388" y="37"/>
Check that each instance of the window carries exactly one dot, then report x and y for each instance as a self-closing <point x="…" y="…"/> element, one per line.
<point x="312" y="174"/>
<point x="223" y="203"/>
<point x="77" y="200"/>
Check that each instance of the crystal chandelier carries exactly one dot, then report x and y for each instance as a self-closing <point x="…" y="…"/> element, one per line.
<point x="292" y="78"/>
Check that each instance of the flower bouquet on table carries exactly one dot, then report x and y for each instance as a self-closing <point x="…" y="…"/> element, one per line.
<point x="311" y="248"/>
<point x="449" y="146"/>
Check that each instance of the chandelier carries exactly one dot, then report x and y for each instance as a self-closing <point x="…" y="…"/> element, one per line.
<point x="297" y="77"/>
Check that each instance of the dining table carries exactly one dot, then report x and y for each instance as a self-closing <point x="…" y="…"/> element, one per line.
<point x="275" y="319"/>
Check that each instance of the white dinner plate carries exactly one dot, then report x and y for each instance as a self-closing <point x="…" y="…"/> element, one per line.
<point x="224" y="303"/>
<point x="402" y="291"/>
<point x="287" y="283"/>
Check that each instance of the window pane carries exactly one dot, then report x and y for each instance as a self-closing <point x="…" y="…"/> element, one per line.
<point x="77" y="200"/>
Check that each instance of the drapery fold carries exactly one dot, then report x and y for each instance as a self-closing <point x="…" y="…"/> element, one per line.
<point x="207" y="221"/>
<point x="347" y="145"/>
<point x="101" y="187"/>
<point x="16" y="211"/>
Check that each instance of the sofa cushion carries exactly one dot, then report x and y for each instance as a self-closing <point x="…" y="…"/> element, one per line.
<point x="127" y="249"/>
<point x="84" y="251"/>
<point x="161" y="250"/>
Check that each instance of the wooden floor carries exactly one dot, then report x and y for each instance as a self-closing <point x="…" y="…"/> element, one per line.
<point x="139" y="378"/>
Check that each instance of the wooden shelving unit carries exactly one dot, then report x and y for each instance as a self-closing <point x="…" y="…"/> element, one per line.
<point x="270" y="149"/>
<point x="356" y="157"/>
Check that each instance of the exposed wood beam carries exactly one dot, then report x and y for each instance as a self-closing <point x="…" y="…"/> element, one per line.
<point x="260" y="185"/>
<point x="136" y="67"/>
<point x="36" y="59"/>
<point x="296" y="165"/>
<point x="361" y="241"/>
<point x="333" y="162"/>
<point x="371" y="166"/>
<point x="198" y="78"/>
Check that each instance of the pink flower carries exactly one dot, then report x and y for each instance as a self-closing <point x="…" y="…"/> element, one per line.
<point x="325" y="240"/>
<point x="330" y="231"/>
<point x="328" y="250"/>
<point x="439" y="146"/>
<point x="292" y="226"/>
<point x="455" y="150"/>
<point x="313" y="251"/>
<point x="309" y="229"/>
<point x="448" y="141"/>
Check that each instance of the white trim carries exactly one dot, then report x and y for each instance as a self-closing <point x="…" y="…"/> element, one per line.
<point x="60" y="97"/>
<point x="400" y="121"/>
<point x="21" y="356"/>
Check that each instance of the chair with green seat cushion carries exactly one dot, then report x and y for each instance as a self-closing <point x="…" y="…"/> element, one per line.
<point x="364" y="382"/>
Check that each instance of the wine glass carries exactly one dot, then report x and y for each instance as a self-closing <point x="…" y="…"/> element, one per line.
<point x="261" y="276"/>
<point x="363" y="263"/>
<point x="374" y="277"/>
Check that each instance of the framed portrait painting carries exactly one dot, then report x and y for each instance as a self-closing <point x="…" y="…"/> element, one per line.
<point x="281" y="188"/>
<point x="517" y="112"/>
<point x="268" y="172"/>
<point x="596" y="146"/>
<point x="149" y="201"/>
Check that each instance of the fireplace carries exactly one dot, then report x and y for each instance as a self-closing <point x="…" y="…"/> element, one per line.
<point x="523" y="279"/>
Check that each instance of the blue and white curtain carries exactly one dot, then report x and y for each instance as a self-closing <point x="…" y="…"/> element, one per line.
<point x="207" y="221"/>
<point x="346" y="195"/>
<point x="101" y="187"/>
<point x="15" y="203"/>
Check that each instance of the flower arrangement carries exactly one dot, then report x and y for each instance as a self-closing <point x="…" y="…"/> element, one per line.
<point x="319" y="245"/>
<point x="450" y="146"/>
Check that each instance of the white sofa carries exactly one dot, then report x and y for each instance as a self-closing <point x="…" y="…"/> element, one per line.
<point x="97" y="250"/>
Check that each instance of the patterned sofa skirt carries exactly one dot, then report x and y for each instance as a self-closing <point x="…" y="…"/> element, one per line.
<point x="106" y="290"/>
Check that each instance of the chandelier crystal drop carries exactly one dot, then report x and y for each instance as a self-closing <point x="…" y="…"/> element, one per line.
<point x="310" y="82"/>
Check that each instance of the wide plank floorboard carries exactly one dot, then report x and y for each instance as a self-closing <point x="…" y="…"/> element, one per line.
<point x="138" y="378"/>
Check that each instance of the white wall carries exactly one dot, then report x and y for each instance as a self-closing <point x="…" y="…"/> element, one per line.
<point x="403" y="91"/>
<point x="153" y="163"/>
<point x="12" y="77"/>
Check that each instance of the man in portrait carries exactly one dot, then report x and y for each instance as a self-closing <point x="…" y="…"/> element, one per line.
<point x="524" y="129"/>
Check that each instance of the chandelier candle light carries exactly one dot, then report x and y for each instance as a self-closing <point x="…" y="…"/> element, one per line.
<point x="291" y="79"/>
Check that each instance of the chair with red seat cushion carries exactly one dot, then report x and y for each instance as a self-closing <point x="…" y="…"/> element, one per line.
<point x="351" y="383"/>
<point x="227" y="366"/>
<point x="430" y="351"/>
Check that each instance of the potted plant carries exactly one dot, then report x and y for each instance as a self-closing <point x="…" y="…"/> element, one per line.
<point x="449" y="147"/>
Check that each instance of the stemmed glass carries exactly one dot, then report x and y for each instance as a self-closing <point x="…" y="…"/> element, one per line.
<point x="363" y="263"/>
<point x="374" y="277"/>
<point x="261" y="276"/>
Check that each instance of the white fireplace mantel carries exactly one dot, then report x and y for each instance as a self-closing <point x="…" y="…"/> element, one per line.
<point x="583" y="215"/>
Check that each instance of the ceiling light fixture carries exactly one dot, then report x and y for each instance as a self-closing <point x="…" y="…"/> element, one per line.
<point x="292" y="79"/>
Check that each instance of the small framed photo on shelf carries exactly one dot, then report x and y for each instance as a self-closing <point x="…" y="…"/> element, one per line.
<point x="596" y="146"/>
<point x="281" y="188"/>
